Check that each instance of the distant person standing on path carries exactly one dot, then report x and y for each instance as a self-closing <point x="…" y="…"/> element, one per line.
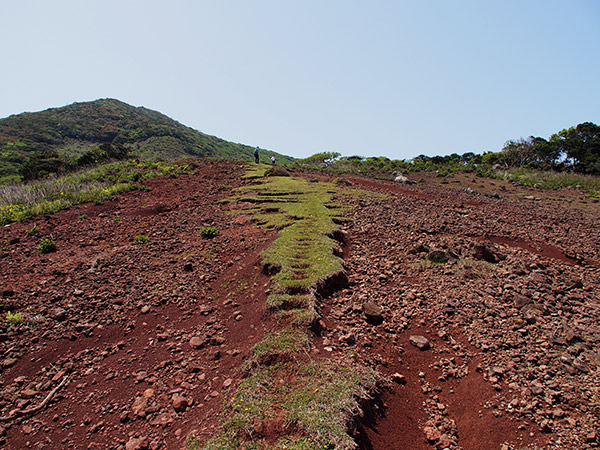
<point x="256" y="155"/>
<point x="272" y="159"/>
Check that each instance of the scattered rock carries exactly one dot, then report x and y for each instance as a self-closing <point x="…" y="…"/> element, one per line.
<point x="581" y="365"/>
<point x="445" y="442"/>
<point x="348" y="338"/>
<point x="205" y="310"/>
<point x="546" y="426"/>
<point x="483" y="252"/>
<point x="521" y="300"/>
<point x="140" y="406"/>
<point x="432" y="434"/>
<point x="162" y="419"/>
<point x="149" y="393"/>
<point x="421" y="342"/>
<point x="217" y="340"/>
<point x="57" y="313"/>
<point x="9" y="362"/>
<point x="398" y="378"/>
<point x="198" y="342"/>
<point x="402" y="179"/>
<point x="536" y="388"/>
<point x="179" y="402"/>
<point x="28" y="393"/>
<point x="141" y="376"/>
<point x="140" y="443"/>
<point x="419" y="248"/>
<point x="532" y="315"/>
<point x="373" y="313"/>
<point x="97" y="427"/>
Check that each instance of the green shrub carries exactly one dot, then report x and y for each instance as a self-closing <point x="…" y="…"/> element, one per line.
<point x="13" y="318"/>
<point x="141" y="239"/>
<point x="209" y="232"/>
<point x="47" y="245"/>
<point x="549" y="180"/>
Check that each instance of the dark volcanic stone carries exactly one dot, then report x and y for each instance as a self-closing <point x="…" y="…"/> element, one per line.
<point x="421" y="342"/>
<point x="373" y="313"/>
<point x="483" y="252"/>
<point x="58" y="314"/>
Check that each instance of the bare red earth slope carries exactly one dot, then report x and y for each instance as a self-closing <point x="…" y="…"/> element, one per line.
<point x="136" y="344"/>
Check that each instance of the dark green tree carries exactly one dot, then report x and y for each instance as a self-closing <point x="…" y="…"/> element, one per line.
<point x="581" y="145"/>
<point x="102" y="153"/>
<point x="545" y="152"/>
<point x="491" y="158"/>
<point x="43" y="165"/>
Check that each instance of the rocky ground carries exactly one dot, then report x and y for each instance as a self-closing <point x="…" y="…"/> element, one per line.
<point x="129" y="344"/>
<point x="498" y="345"/>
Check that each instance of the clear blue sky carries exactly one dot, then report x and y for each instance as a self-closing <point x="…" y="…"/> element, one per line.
<point x="392" y="78"/>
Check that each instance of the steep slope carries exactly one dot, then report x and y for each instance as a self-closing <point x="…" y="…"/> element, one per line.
<point x="73" y="129"/>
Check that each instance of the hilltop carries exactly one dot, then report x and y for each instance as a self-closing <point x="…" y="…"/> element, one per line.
<point x="71" y="130"/>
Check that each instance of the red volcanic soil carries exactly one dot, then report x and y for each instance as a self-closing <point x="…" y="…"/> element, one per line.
<point x="511" y="318"/>
<point x="119" y="316"/>
<point x="137" y="344"/>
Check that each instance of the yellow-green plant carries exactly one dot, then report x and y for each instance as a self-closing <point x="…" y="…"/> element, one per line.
<point x="13" y="318"/>
<point x="141" y="239"/>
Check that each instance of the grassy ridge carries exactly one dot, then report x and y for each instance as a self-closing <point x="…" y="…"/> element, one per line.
<point x="288" y="401"/>
<point x="311" y="410"/>
<point x="303" y="256"/>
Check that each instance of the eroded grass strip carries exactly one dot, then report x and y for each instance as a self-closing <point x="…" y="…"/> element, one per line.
<point x="287" y="400"/>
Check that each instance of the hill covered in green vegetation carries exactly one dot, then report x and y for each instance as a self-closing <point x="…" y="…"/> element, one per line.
<point x="55" y="139"/>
